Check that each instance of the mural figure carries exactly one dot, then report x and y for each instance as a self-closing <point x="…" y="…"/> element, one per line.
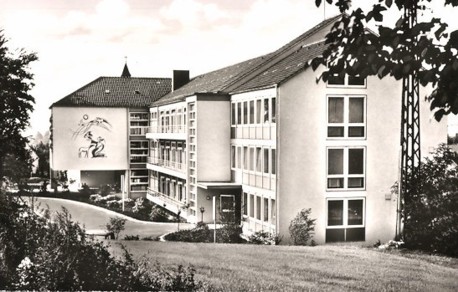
<point x="86" y="129"/>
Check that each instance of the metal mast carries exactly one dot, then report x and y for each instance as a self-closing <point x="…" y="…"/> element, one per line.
<point x="410" y="122"/>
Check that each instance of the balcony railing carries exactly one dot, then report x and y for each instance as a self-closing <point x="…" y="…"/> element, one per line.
<point x="167" y="129"/>
<point x="165" y="198"/>
<point x="167" y="163"/>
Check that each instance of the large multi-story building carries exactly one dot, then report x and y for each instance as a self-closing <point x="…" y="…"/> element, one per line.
<point x="99" y="132"/>
<point x="263" y="138"/>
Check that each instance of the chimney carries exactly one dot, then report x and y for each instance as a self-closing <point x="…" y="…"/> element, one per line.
<point x="180" y="78"/>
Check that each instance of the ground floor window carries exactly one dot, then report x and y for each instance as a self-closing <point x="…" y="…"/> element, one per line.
<point x="345" y="220"/>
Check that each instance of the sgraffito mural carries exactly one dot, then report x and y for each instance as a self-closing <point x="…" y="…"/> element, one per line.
<point x="90" y="130"/>
<point x="90" y="138"/>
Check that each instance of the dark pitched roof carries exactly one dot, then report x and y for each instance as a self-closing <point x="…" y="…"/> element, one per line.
<point x="125" y="71"/>
<point x="284" y="69"/>
<point x="214" y="82"/>
<point x="247" y="74"/>
<point x="118" y="92"/>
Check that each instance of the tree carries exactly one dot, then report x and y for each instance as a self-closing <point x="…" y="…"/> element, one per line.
<point x="16" y="103"/>
<point x="116" y="225"/>
<point x="431" y="209"/>
<point x="424" y="49"/>
<point x="41" y="150"/>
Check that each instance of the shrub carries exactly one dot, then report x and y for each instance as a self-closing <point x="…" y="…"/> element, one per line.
<point x="301" y="227"/>
<point x="264" y="237"/>
<point x="116" y="225"/>
<point x="105" y="190"/>
<point x="39" y="254"/>
<point x="431" y="204"/>
<point x="131" y="237"/>
<point x="158" y="214"/>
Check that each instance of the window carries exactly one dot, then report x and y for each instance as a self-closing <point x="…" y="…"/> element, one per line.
<point x="245" y="158"/>
<point x="346" y="168"/>
<point x="266" y="209"/>
<point x="346" y="116"/>
<point x="258" y="207"/>
<point x="336" y="80"/>
<point x="273" y="211"/>
<point x="251" y="206"/>
<point x="239" y="157"/>
<point x="251" y="112"/>
<point x="273" y="109"/>
<point x="259" y="111"/>
<point x="273" y="161"/>
<point x="233" y="157"/>
<point x="266" y="160"/>
<point x="258" y="159"/>
<point x="233" y="114"/>
<point x="227" y="203"/>
<point x="245" y="113"/>
<point x="345" y="220"/>
<point x="245" y="204"/>
<point x="266" y="110"/>
<point x="252" y="159"/>
<point x="239" y="113"/>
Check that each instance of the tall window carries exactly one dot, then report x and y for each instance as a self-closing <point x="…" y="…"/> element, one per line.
<point x="251" y="112"/>
<point x="346" y="117"/>
<point x="239" y="157"/>
<point x="266" y="209"/>
<point x="252" y="159"/>
<point x="245" y="158"/>
<point x="233" y="113"/>
<point x="251" y="206"/>
<point x="273" y="165"/>
<point x="345" y="220"/>
<point x="245" y="112"/>
<point x="258" y="159"/>
<point x="245" y="204"/>
<point x="266" y="160"/>
<point x="233" y="165"/>
<point x="258" y="207"/>
<point x="273" y="110"/>
<point x="239" y="113"/>
<point x="346" y="168"/>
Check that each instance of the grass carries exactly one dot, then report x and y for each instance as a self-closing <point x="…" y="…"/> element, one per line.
<point x="241" y="267"/>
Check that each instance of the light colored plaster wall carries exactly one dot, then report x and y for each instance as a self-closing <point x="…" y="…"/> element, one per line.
<point x="213" y="140"/>
<point x="302" y="152"/>
<point x="68" y="149"/>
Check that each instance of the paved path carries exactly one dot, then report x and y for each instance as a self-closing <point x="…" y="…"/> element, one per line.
<point x="95" y="218"/>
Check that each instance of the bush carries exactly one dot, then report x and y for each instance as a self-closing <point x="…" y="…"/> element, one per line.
<point x="301" y="227"/>
<point x="158" y="214"/>
<point x="431" y="204"/>
<point x="131" y="237"/>
<point x="37" y="253"/>
<point x="264" y="237"/>
<point x="105" y="190"/>
<point x="226" y="234"/>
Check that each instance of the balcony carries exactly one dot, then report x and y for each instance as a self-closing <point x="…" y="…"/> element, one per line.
<point x="167" y="164"/>
<point x="138" y="130"/>
<point x="165" y="200"/>
<point x="167" y="132"/>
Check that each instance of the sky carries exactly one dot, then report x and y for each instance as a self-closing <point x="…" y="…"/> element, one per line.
<point x="78" y="41"/>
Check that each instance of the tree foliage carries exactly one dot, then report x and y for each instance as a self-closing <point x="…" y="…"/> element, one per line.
<point x="431" y="205"/>
<point x="37" y="253"/>
<point x="301" y="228"/>
<point x="15" y="101"/>
<point x="116" y="225"/>
<point x="427" y="49"/>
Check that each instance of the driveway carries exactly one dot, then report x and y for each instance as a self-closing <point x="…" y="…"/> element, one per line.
<point x="95" y="218"/>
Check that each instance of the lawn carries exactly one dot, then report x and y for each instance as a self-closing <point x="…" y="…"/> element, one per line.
<point x="239" y="267"/>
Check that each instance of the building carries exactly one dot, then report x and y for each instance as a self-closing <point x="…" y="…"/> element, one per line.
<point x="99" y="132"/>
<point x="263" y="138"/>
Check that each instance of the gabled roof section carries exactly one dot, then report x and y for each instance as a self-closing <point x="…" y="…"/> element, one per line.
<point x="285" y="69"/>
<point x="212" y="82"/>
<point x="118" y="92"/>
<point x="275" y="67"/>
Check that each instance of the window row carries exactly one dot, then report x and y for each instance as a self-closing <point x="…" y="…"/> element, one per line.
<point x="170" y="152"/>
<point x="254" y="158"/>
<point x="346" y="117"/>
<point x="346" y="167"/>
<point x="346" y="80"/>
<point x="138" y="151"/>
<point x="169" y="121"/>
<point x="345" y="220"/>
<point x="260" y="208"/>
<point x="251" y="112"/>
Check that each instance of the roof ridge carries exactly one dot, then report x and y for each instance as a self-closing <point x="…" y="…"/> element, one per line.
<point x="282" y="50"/>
